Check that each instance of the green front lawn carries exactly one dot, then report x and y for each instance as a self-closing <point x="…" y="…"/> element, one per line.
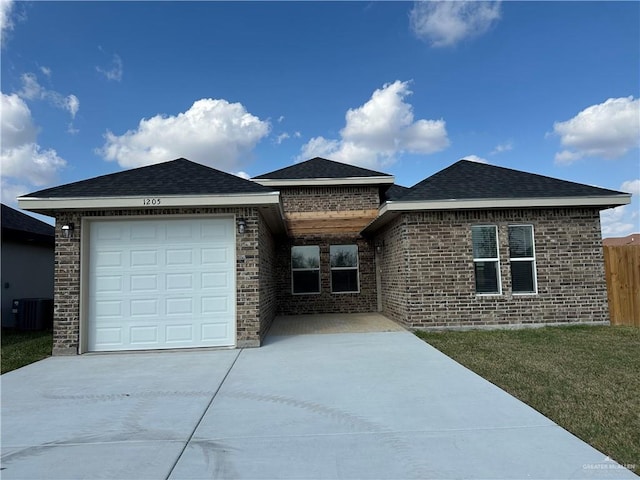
<point x="22" y="348"/>
<point x="586" y="379"/>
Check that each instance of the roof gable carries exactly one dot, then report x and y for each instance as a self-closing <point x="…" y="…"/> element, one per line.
<point x="320" y="168"/>
<point x="176" y="177"/>
<point x="472" y="180"/>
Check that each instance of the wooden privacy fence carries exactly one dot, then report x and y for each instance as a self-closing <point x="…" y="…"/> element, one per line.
<point x="622" y="271"/>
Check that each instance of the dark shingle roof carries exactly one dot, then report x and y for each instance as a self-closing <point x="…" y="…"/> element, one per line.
<point x="320" y="168"/>
<point x="472" y="180"/>
<point x="177" y="177"/>
<point x="16" y="224"/>
<point x="396" y="192"/>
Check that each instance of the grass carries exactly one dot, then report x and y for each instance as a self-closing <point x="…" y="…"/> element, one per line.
<point x="22" y="348"/>
<point x="584" y="378"/>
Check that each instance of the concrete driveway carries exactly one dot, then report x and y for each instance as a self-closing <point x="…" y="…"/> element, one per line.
<point x="357" y="405"/>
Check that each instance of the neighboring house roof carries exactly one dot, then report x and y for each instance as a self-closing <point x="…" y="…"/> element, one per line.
<point x="633" y="239"/>
<point x="473" y="185"/>
<point x="19" y="226"/>
<point x="320" y="171"/>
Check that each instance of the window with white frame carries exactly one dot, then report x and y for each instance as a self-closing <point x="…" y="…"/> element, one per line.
<point x="305" y="270"/>
<point x="522" y="258"/>
<point x="344" y="268"/>
<point x="485" y="259"/>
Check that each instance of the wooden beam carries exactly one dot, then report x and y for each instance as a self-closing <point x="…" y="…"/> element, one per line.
<point x="371" y="214"/>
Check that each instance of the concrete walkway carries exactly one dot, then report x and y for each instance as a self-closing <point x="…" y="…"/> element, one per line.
<point x="363" y="405"/>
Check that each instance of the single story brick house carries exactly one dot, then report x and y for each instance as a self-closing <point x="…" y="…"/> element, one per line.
<point x="179" y="255"/>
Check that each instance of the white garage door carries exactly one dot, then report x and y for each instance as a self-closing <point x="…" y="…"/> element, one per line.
<point x="161" y="284"/>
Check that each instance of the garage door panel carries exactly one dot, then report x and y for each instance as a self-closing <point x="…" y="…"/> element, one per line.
<point x="143" y="258"/>
<point x="143" y="283"/>
<point x="144" y="335"/>
<point x="108" y="259"/>
<point x="215" y="280"/>
<point x="161" y="284"/>
<point x="182" y="333"/>
<point x="109" y="284"/>
<point x="212" y="332"/>
<point x="215" y="256"/>
<point x="144" y="231"/>
<point x="179" y="257"/>
<point x="179" y="281"/>
<point x="109" y="336"/>
<point x="214" y="232"/>
<point x="109" y="231"/>
<point x="180" y="230"/>
<point x="144" y="307"/>
<point x="215" y="305"/>
<point x="108" y="308"/>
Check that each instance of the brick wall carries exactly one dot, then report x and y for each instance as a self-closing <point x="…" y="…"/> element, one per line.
<point x="439" y="275"/>
<point x="313" y="199"/>
<point x="268" y="305"/>
<point x="66" y="287"/>
<point x="66" y="338"/>
<point x="393" y="265"/>
<point x="325" y="301"/>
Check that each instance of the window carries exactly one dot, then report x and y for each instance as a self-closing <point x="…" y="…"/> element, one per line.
<point x="305" y="270"/>
<point x="485" y="259"/>
<point x="522" y="259"/>
<point x="344" y="268"/>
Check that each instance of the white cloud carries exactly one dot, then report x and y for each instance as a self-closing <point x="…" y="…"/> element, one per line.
<point x="445" y="23"/>
<point x="475" y="158"/>
<point x="46" y="71"/>
<point x="213" y="132"/>
<point x="32" y="90"/>
<point x="617" y="222"/>
<point x="17" y="125"/>
<point x="282" y="137"/>
<point x="280" y="118"/>
<point x="501" y="148"/>
<point x="376" y="132"/>
<point x="30" y="162"/>
<point x="71" y="104"/>
<point x="242" y="174"/>
<point x="609" y="130"/>
<point x="114" y="70"/>
<point x="10" y="191"/>
<point x="6" y="22"/>
<point x="631" y="186"/>
<point x="21" y="158"/>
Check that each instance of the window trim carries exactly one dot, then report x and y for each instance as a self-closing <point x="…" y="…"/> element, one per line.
<point x="315" y="269"/>
<point x="488" y="259"/>
<point x="525" y="259"/>
<point x="356" y="268"/>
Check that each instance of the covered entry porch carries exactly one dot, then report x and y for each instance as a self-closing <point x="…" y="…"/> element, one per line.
<point x="326" y="323"/>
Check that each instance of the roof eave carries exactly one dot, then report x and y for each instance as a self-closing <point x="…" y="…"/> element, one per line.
<point x="43" y="204"/>
<point x="604" y="201"/>
<point x="391" y="209"/>
<point x="324" y="182"/>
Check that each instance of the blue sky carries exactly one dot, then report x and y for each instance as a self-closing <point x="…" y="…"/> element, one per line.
<point x="90" y="88"/>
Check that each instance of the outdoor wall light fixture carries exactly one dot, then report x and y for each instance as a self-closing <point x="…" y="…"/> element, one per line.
<point x="379" y="246"/>
<point x="67" y="230"/>
<point x="242" y="225"/>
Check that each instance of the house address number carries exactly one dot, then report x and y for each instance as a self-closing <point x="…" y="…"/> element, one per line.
<point x="150" y="201"/>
